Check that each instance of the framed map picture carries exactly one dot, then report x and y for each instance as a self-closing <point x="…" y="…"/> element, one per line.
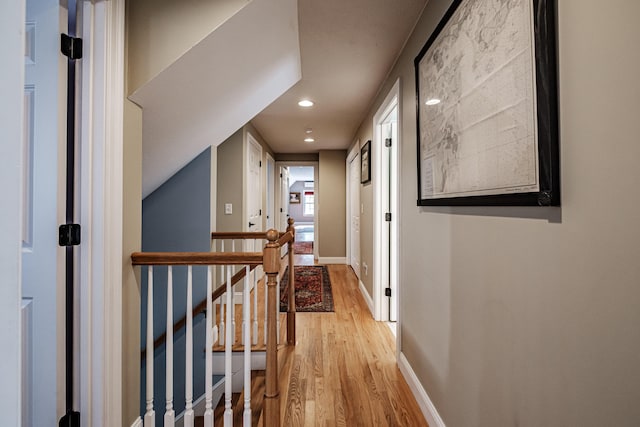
<point x="487" y="106"/>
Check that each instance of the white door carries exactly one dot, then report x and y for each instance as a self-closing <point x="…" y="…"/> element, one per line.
<point x="254" y="185"/>
<point x="354" y="214"/>
<point x="271" y="221"/>
<point x="42" y="258"/>
<point x="283" y="216"/>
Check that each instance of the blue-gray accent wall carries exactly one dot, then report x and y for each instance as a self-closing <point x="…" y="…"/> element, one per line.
<point x="177" y="218"/>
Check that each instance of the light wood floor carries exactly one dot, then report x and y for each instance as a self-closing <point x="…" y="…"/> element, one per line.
<point x="343" y="371"/>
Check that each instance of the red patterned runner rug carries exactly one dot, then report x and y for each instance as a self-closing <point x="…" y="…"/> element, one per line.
<point x="313" y="289"/>
<point x="303" y="248"/>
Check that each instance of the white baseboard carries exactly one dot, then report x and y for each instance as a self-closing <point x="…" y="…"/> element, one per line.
<point x="332" y="260"/>
<point x="366" y="296"/>
<point x="137" y="422"/>
<point x="426" y="405"/>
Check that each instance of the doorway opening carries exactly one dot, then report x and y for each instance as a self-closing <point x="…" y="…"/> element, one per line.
<point x="302" y="202"/>
<point x="298" y="195"/>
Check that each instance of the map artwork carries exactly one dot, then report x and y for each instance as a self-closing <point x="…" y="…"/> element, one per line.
<point x="477" y="112"/>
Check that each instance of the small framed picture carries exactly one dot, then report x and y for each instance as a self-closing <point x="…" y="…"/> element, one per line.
<point x="294" y="197"/>
<point x="365" y="163"/>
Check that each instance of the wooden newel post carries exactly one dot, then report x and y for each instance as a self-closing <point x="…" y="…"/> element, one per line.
<point x="291" y="309"/>
<point x="271" y="264"/>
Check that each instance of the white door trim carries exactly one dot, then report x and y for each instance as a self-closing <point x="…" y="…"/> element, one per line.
<point x="392" y="99"/>
<point x="12" y="19"/>
<point x="101" y="174"/>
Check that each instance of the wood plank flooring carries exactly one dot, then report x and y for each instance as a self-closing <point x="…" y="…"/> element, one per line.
<point x="343" y="371"/>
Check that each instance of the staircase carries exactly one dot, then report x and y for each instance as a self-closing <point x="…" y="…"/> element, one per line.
<point x="241" y="333"/>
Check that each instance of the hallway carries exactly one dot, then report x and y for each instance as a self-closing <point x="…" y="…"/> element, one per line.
<point x="343" y="371"/>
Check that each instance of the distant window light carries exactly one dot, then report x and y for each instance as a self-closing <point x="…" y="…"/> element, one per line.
<point x="308" y="184"/>
<point x="308" y="203"/>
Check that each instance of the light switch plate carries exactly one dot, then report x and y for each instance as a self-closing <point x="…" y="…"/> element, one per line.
<point x="228" y="208"/>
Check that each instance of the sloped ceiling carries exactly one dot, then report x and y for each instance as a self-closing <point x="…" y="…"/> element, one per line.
<point x="217" y="86"/>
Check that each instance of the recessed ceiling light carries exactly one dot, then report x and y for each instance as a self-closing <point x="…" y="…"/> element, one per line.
<point x="305" y="103"/>
<point x="308" y="130"/>
<point x="433" y="101"/>
<point x="309" y="139"/>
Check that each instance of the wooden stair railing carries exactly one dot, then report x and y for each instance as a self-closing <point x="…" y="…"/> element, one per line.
<point x="220" y="290"/>
<point x="270" y="260"/>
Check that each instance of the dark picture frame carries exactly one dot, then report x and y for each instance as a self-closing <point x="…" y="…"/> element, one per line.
<point x="294" y="197"/>
<point x="440" y="70"/>
<point x="365" y="163"/>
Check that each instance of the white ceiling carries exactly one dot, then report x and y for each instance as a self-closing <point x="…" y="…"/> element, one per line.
<point x="347" y="49"/>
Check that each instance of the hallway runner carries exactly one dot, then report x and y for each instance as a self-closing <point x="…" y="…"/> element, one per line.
<point x="313" y="289"/>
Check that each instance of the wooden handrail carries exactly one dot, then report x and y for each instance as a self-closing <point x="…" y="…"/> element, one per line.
<point x="220" y="290"/>
<point x="241" y="235"/>
<point x="270" y="260"/>
<point x="196" y="258"/>
<point x="285" y="238"/>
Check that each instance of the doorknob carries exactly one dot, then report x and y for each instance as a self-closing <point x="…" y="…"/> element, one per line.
<point x="251" y="224"/>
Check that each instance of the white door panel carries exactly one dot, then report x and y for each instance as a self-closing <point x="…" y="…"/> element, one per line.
<point x="42" y="259"/>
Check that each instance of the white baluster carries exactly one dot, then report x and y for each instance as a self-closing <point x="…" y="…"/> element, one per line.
<point x="208" y="387"/>
<point x="222" y="314"/>
<point x="150" y="415"/>
<point x="232" y="307"/>
<point x="188" y="389"/>
<point x="246" y="308"/>
<point x="214" y="330"/>
<point x="228" y="412"/>
<point x="169" y="415"/>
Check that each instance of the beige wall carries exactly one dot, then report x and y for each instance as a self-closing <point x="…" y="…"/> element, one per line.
<point x="230" y="175"/>
<point x="529" y="316"/>
<point x="131" y="242"/>
<point x="301" y="157"/>
<point x="165" y="29"/>
<point x="332" y="204"/>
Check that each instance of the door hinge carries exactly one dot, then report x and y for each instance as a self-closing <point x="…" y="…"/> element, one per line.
<point x="71" y="47"/>
<point x="387" y="292"/>
<point x="260" y="163"/>
<point x="70" y="419"/>
<point x="387" y="142"/>
<point x="280" y="175"/>
<point x="260" y="214"/>
<point x="69" y="235"/>
<point x="387" y="216"/>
